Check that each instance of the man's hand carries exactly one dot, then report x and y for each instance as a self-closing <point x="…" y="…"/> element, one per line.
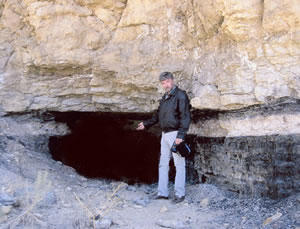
<point x="140" y="126"/>
<point x="178" y="141"/>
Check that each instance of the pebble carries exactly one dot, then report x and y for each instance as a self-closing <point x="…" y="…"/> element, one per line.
<point x="163" y="209"/>
<point x="7" y="200"/>
<point x="104" y="223"/>
<point x="143" y="201"/>
<point x="131" y="188"/>
<point x="148" y="189"/>
<point x="174" y="224"/>
<point x="83" y="178"/>
<point x="84" y="184"/>
<point x="272" y="218"/>
<point x="66" y="205"/>
<point x="256" y="208"/>
<point x="204" y="203"/>
<point x="5" y="210"/>
<point x="105" y="187"/>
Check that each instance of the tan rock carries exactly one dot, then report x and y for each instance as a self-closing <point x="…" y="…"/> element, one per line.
<point x="139" y="12"/>
<point x="208" y="97"/>
<point x="205" y="18"/>
<point x="232" y="101"/>
<point x="281" y="16"/>
<point x="107" y="55"/>
<point x="109" y="12"/>
<point x="270" y="84"/>
<point x="107" y="17"/>
<point x="272" y="218"/>
<point x="242" y="19"/>
<point x="227" y="126"/>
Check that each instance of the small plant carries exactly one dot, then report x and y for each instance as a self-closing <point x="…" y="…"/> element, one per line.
<point x="110" y="203"/>
<point x="40" y="188"/>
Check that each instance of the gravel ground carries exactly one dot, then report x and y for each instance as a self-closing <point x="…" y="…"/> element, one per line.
<point x="60" y="198"/>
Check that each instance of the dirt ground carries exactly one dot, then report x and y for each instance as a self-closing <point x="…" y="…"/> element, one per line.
<point x="57" y="197"/>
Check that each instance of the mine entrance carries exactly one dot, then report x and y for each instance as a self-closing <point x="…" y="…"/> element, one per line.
<point x="106" y="145"/>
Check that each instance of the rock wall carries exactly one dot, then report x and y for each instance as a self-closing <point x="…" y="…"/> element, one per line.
<point x="99" y="55"/>
<point x="106" y="55"/>
<point x="253" y="150"/>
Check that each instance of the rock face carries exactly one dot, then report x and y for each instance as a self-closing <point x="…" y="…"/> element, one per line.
<point x="251" y="165"/>
<point x="252" y="150"/>
<point x="105" y="56"/>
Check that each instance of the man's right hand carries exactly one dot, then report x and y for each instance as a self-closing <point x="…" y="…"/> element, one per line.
<point x="140" y="126"/>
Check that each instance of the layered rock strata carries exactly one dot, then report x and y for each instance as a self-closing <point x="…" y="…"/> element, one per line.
<point x="256" y="150"/>
<point x="105" y="56"/>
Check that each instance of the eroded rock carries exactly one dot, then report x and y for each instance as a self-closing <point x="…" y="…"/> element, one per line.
<point x="73" y="55"/>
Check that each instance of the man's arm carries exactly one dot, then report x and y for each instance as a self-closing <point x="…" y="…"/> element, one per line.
<point x="184" y="116"/>
<point x="150" y="122"/>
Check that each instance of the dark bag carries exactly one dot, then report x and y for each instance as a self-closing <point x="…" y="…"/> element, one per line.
<point x="183" y="149"/>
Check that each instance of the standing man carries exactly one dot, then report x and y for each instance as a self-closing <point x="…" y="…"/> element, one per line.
<point x="173" y="116"/>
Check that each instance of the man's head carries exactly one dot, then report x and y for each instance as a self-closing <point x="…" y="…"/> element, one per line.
<point x="167" y="81"/>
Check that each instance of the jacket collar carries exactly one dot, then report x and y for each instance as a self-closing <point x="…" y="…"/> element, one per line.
<point x="171" y="93"/>
<point x="173" y="90"/>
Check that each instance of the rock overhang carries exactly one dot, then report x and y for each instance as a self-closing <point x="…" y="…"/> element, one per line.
<point x="226" y="55"/>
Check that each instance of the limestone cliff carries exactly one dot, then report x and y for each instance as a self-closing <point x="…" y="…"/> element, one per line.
<point x="106" y="55"/>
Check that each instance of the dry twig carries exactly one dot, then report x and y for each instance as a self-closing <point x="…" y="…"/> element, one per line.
<point x="90" y="213"/>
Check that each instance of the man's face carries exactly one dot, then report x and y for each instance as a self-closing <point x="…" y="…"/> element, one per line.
<point x="167" y="84"/>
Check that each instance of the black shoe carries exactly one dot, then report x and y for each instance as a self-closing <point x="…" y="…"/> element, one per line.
<point x="160" y="197"/>
<point x="177" y="199"/>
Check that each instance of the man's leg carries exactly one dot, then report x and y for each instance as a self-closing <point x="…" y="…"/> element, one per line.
<point x="180" y="175"/>
<point x="163" y="172"/>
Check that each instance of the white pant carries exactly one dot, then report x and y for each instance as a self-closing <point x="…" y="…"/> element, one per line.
<point x="167" y="141"/>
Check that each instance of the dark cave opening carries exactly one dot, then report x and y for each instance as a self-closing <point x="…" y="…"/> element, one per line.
<point x="106" y="145"/>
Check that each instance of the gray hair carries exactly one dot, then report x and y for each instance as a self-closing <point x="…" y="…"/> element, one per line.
<point x="165" y="75"/>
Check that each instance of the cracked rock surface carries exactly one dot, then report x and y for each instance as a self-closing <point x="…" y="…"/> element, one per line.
<point x="74" y="55"/>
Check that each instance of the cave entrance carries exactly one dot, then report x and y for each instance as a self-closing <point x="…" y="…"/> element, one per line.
<point x="106" y="145"/>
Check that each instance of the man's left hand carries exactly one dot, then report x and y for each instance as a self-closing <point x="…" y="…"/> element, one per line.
<point x="178" y="141"/>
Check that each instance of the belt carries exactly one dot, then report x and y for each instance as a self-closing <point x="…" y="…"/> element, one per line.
<point x="168" y="130"/>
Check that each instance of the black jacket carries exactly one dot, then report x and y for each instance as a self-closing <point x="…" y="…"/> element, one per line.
<point x="173" y="113"/>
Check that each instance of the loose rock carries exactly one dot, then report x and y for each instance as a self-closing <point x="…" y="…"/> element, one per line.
<point x="6" y="199"/>
<point x="174" y="224"/>
<point x="272" y="218"/>
<point x="143" y="201"/>
<point x="104" y="223"/>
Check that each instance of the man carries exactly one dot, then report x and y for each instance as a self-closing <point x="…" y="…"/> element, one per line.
<point x="173" y="116"/>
